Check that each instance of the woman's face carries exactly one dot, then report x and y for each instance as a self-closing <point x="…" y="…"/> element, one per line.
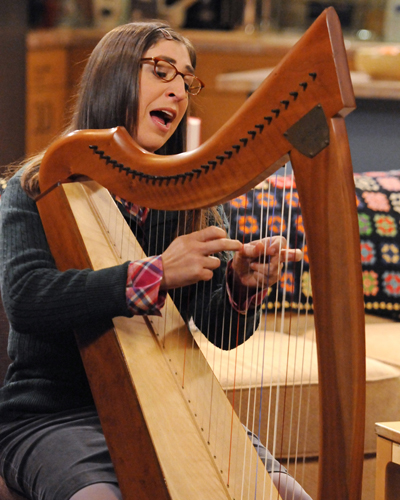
<point x="161" y="104"/>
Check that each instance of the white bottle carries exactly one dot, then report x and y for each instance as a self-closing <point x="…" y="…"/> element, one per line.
<point x="391" y="24"/>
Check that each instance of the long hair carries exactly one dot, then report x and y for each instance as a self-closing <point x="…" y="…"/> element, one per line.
<point x="108" y="93"/>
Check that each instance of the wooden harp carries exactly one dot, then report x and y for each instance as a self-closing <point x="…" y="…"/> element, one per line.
<point x="298" y="111"/>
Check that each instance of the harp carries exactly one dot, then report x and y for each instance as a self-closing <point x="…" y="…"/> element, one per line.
<point x="298" y="112"/>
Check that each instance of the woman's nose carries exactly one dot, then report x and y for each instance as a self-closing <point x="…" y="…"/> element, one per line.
<point x="177" y="88"/>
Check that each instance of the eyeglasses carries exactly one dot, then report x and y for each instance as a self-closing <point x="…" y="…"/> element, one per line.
<point x="167" y="72"/>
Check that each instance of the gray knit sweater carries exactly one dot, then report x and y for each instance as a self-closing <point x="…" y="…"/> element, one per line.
<point x="44" y="306"/>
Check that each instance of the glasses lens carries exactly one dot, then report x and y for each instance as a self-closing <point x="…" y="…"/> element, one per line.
<point x="195" y="86"/>
<point x="191" y="84"/>
<point x="165" y="70"/>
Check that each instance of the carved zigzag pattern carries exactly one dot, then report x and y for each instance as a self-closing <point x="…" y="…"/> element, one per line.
<point x="219" y="159"/>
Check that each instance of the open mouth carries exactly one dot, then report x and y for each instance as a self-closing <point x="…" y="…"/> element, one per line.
<point x="162" y="116"/>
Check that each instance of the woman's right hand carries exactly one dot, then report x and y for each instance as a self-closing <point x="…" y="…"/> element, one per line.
<point x="190" y="258"/>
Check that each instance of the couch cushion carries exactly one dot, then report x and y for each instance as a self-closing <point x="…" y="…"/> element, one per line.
<point x="246" y="370"/>
<point x="383" y="342"/>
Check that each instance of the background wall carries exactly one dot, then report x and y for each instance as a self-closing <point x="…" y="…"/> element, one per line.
<point x="373" y="130"/>
<point x="13" y="27"/>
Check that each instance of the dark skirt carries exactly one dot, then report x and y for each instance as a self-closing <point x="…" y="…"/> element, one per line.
<point x="51" y="457"/>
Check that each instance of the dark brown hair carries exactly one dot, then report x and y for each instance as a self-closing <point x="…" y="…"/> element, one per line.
<point x="108" y="94"/>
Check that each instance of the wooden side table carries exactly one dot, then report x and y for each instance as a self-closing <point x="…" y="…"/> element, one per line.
<point x="387" y="461"/>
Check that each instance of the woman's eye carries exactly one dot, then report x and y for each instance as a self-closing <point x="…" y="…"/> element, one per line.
<point x="161" y="74"/>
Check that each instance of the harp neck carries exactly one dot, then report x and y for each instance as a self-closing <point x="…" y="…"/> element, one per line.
<point x="251" y="146"/>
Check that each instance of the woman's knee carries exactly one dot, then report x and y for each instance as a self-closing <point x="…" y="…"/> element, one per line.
<point x="288" y="487"/>
<point x="98" y="491"/>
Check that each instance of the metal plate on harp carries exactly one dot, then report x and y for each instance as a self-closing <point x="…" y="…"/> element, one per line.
<point x="310" y="134"/>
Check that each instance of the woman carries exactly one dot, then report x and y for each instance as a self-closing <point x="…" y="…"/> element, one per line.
<point x="51" y="444"/>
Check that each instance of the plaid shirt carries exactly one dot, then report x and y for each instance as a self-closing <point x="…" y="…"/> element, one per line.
<point x="143" y="294"/>
<point x="140" y="213"/>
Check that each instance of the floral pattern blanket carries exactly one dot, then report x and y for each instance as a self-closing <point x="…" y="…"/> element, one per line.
<point x="378" y="203"/>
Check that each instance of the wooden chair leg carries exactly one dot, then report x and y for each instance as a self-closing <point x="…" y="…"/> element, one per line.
<point x="383" y="458"/>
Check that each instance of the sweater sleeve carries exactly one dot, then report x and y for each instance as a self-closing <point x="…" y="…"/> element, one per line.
<point x="37" y="297"/>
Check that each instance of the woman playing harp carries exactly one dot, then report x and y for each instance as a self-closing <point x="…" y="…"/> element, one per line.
<point x="51" y="443"/>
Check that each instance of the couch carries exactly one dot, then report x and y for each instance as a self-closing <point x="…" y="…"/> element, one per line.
<point x="378" y="199"/>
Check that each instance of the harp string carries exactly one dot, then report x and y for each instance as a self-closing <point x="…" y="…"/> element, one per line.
<point x="290" y="334"/>
<point x="302" y="358"/>
<point x="283" y="309"/>
<point x="298" y="359"/>
<point x="269" y="232"/>
<point x="262" y="347"/>
<point x="258" y="350"/>
<point x="278" y="336"/>
<point x="291" y="329"/>
<point x="163" y="217"/>
<point x="255" y="348"/>
<point x="239" y="377"/>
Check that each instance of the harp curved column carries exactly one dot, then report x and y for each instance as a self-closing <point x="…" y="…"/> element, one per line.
<point x="309" y="91"/>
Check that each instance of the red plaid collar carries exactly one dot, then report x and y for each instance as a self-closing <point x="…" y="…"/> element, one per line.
<point x="140" y="213"/>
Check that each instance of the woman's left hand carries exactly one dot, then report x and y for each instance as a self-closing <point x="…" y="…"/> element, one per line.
<point x="258" y="264"/>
